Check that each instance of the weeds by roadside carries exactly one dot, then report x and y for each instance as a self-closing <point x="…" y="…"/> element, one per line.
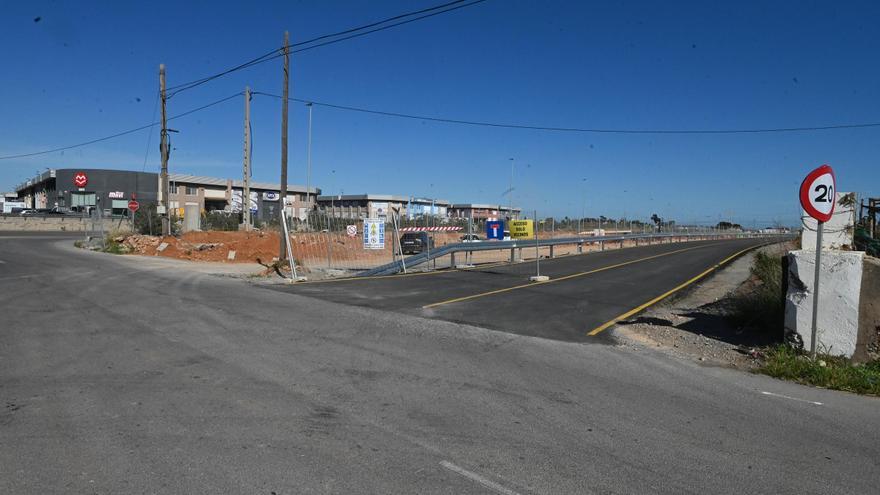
<point x="762" y="308"/>
<point x="831" y="372"/>
<point x="113" y="244"/>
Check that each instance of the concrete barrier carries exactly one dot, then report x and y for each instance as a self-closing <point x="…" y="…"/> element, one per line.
<point x="869" y="311"/>
<point x="849" y="312"/>
<point x="60" y="223"/>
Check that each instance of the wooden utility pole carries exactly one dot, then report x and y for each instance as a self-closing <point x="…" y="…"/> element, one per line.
<point x="163" y="150"/>
<point x="246" y="196"/>
<point x="282" y="253"/>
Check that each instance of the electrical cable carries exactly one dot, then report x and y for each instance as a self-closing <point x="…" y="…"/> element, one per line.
<point x="279" y="52"/>
<point x="150" y="135"/>
<point x="120" y="134"/>
<point x="576" y="129"/>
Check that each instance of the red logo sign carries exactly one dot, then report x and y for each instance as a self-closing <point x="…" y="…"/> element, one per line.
<point x="80" y="179"/>
<point x="818" y="193"/>
<point x="133" y="205"/>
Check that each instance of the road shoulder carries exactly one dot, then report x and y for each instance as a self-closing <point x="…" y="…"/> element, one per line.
<point x="694" y="325"/>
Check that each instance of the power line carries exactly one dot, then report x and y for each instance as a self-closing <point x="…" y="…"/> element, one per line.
<point x="150" y="135"/>
<point x="370" y="28"/>
<point x="579" y="129"/>
<point x="356" y="35"/>
<point x="120" y="134"/>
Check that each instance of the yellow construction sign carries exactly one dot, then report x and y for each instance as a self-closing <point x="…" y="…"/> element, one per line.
<point x="522" y="228"/>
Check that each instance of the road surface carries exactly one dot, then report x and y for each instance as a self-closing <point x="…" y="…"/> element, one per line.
<point x="129" y="375"/>
<point x="583" y="293"/>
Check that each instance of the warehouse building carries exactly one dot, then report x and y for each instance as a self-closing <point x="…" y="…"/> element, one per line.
<point x="86" y="189"/>
<point x="211" y="194"/>
<point x="111" y="190"/>
<point x="380" y="206"/>
<point x="482" y="211"/>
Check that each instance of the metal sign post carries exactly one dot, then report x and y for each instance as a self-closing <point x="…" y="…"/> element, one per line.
<point x="817" y="195"/>
<point x="819" y="230"/>
<point x="537" y="254"/>
<point x="534" y="230"/>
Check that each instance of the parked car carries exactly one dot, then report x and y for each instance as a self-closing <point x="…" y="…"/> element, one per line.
<point x="28" y="212"/>
<point x="471" y="238"/>
<point x="416" y="242"/>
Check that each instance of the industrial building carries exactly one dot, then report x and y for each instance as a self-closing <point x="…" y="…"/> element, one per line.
<point x="380" y="205"/>
<point x="481" y="211"/>
<point x="111" y="190"/>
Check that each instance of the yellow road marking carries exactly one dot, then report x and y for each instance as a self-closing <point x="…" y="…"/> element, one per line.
<point x="666" y="294"/>
<point x="559" y="279"/>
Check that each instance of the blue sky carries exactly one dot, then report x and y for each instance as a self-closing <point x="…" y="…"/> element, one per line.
<point x="89" y="69"/>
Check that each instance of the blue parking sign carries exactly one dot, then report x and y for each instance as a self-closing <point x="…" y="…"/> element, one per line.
<point x="495" y="229"/>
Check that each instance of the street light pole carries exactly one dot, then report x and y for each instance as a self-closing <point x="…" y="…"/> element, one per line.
<point x="309" y="167"/>
<point x="583" y="205"/>
<point x="510" y="191"/>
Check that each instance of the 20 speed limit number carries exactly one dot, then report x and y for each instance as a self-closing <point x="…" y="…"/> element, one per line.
<point x="818" y="193"/>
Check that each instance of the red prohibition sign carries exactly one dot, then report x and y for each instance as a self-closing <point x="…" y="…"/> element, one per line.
<point x="818" y="193"/>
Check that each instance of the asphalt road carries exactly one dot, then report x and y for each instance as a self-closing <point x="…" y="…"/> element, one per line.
<point x="584" y="292"/>
<point x="131" y="375"/>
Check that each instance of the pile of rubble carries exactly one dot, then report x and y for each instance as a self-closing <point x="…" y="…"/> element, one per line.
<point x="140" y="244"/>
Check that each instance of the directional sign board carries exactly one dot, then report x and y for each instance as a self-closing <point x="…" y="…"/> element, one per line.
<point x="520" y="229"/>
<point x="374" y="233"/>
<point x="818" y="193"/>
<point x="133" y="205"/>
<point x="495" y="229"/>
<point x="80" y="179"/>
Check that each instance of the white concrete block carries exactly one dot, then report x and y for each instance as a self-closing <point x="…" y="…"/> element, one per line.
<point x="839" y="288"/>
<point x="839" y="231"/>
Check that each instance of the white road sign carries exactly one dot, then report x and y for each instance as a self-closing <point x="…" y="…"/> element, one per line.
<point x="817" y="193"/>
<point x="374" y="233"/>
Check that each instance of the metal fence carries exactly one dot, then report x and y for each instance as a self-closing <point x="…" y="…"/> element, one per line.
<point x="326" y="243"/>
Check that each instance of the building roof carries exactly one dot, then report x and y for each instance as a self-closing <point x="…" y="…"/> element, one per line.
<point x="203" y="180"/>
<point x="477" y="206"/>
<point x="382" y="197"/>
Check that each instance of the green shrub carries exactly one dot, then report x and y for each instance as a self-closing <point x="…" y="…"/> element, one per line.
<point x="832" y="372"/>
<point x="221" y="220"/>
<point x="147" y="221"/>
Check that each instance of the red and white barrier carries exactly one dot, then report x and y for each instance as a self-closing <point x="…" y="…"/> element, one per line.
<point x="430" y="229"/>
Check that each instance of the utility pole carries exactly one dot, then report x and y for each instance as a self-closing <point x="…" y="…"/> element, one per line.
<point x="282" y="253"/>
<point x="246" y="197"/>
<point x="309" y="166"/>
<point x="163" y="150"/>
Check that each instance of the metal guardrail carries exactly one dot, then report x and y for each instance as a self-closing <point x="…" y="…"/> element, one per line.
<point x="451" y="249"/>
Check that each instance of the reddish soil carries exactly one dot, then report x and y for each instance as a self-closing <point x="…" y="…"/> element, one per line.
<point x="310" y="249"/>
<point x="249" y="247"/>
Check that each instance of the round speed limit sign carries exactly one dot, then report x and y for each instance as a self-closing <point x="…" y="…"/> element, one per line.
<point x="818" y="193"/>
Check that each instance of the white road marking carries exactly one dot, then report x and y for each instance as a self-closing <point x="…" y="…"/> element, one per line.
<point x="479" y="479"/>
<point x="791" y="398"/>
<point x="1" y="262"/>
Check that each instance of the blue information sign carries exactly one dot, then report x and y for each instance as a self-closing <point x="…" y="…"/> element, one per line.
<point x="495" y="229"/>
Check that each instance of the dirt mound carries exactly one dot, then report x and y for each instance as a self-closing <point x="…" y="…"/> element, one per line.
<point x="249" y="247"/>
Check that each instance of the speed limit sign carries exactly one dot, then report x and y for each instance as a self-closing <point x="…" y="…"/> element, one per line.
<point x="818" y="193"/>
